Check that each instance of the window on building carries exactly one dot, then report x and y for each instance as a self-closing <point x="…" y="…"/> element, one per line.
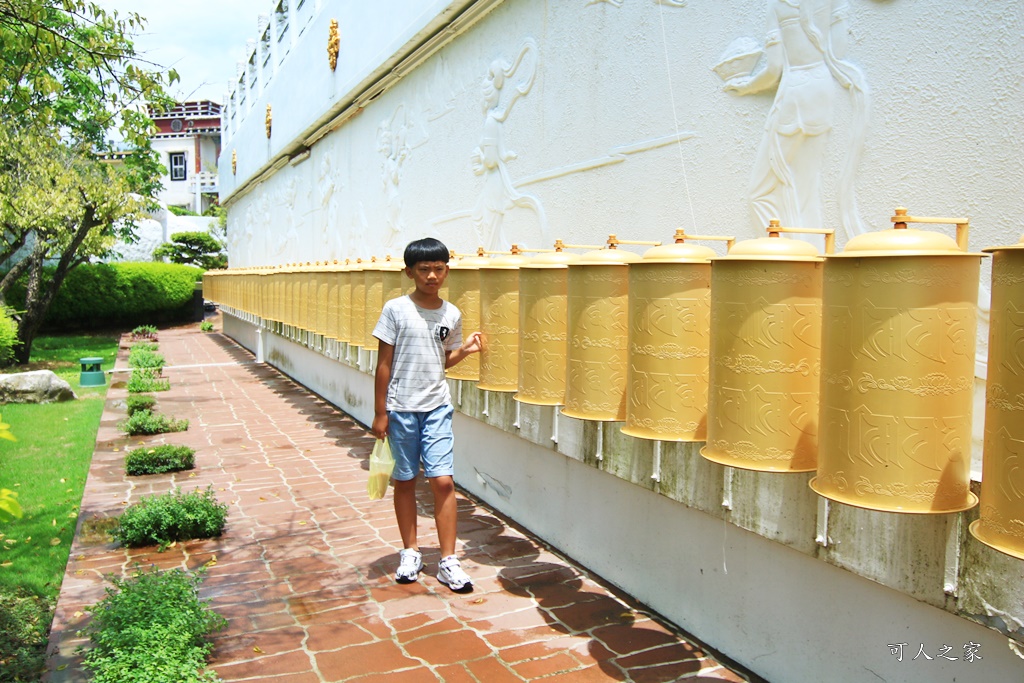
<point x="178" y="171"/>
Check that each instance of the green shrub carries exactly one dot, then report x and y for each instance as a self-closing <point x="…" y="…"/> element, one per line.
<point x="152" y="628"/>
<point x="145" y="332"/>
<point x="140" y="356"/>
<point x="158" y="460"/>
<point x="8" y="336"/>
<point x="170" y="517"/>
<point x="206" y="326"/>
<point x="105" y="295"/>
<point x="24" y="624"/>
<point x="137" y="402"/>
<point x="147" y="422"/>
<point x="145" y="380"/>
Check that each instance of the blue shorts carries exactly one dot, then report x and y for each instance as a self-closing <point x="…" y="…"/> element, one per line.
<point x="422" y="438"/>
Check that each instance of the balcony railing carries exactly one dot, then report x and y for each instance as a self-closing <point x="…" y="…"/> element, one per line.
<point x="278" y="33"/>
<point x="207" y="182"/>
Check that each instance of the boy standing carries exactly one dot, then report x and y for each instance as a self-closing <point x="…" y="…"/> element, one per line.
<point x="420" y="335"/>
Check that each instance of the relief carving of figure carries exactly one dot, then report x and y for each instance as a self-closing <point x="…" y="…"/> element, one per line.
<point x="393" y="145"/>
<point x="330" y="185"/>
<point x="285" y="198"/>
<point x="502" y="87"/>
<point x="803" y="52"/>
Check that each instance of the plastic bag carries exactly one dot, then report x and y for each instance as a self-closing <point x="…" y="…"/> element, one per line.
<point x="381" y="465"/>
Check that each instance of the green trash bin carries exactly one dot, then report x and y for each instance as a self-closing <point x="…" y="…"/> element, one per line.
<point x="92" y="375"/>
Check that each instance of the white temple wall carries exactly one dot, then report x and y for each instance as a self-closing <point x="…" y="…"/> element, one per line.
<point x="622" y="126"/>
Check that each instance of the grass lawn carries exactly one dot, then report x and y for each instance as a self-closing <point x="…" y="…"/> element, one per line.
<point x="47" y="467"/>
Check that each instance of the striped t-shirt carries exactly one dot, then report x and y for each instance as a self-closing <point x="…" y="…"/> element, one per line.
<point x="420" y="337"/>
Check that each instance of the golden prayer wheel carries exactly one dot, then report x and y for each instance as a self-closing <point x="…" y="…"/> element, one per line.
<point x="543" y="328"/>
<point x="306" y="293"/>
<point x="295" y="276"/>
<point x="283" y="291"/>
<point x="262" y="294"/>
<point x="669" y="337"/>
<point x="375" y="295"/>
<point x="331" y="275"/>
<point x="765" y="353"/>
<point x="499" y="322"/>
<point x="272" y="277"/>
<point x="357" y="325"/>
<point x="463" y="285"/>
<point x="1001" y="522"/>
<point x="320" y="303"/>
<point x="344" y="277"/>
<point x="897" y="370"/>
<point x="395" y="283"/>
<point x="597" y="357"/>
<point x="310" y="275"/>
<point x="373" y="301"/>
<point x="241" y="291"/>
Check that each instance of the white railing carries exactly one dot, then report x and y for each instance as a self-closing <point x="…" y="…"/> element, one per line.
<point x="208" y="183"/>
<point x="277" y="33"/>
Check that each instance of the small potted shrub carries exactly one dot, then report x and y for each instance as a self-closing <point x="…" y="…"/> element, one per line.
<point x="145" y="422"/>
<point x="137" y="402"/>
<point x="158" y="459"/>
<point x="144" y="332"/>
<point x="170" y="517"/>
<point x="144" y="380"/>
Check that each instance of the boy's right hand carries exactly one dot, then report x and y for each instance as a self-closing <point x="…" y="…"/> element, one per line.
<point x="379" y="428"/>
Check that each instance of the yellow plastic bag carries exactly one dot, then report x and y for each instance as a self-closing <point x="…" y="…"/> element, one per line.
<point x="381" y="465"/>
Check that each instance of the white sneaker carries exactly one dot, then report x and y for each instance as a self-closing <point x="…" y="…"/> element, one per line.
<point x="410" y="563"/>
<point x="450" y="573"/>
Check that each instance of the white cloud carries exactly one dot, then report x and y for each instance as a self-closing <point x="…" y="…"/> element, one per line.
<point x="202" y="41"/>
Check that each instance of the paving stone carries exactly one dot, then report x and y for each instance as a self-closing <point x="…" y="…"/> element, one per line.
<point x="546" y="666"/>
<point x="447" y="648"/>
<point x="356" y="660"/>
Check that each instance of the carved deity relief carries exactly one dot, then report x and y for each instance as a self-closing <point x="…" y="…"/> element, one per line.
<point x="503" y="85"/>
<point x="330" y="184"/>
<point x="394" y="148"/>
<point x="803" y="60"/>
<point x="288" y="238"/>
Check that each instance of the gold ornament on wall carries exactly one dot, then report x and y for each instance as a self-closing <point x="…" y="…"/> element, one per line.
<point x="234" y="162"/>
<point x="270" y="121"/>
<point x="333" y="44"/>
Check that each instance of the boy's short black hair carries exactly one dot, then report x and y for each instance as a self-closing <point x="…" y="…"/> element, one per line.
<point x="426" y="249"/>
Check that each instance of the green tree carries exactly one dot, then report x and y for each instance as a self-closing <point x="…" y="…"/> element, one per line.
<point x="67" y="207"/>
<point x="192" y="249"/>
<point x="69" y="81"/>
<point x="70" y="65"/>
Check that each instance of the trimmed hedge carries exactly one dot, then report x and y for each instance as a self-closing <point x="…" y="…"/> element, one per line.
<point x="159" y="459"/>
<point x="104" y="295"/>
<point x="170" y="517"/>
<point x="8" y="337"/>
<point x="138" y="402"/>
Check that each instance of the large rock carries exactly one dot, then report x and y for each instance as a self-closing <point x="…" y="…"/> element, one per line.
<point x="38" y="386"/>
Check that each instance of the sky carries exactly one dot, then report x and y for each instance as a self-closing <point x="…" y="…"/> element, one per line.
<point x="202" y="40"/>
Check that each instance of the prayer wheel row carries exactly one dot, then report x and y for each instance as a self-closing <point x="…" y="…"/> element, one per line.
<point x="858" y="366"/>
<point x="338" y="301"/>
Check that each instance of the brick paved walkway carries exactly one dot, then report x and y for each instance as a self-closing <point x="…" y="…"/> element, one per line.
<point x="303" y="572"/>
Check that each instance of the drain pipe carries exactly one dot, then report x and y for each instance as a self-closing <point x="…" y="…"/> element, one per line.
<point x="727" y="489"/>
<point x="656" y="474"/>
